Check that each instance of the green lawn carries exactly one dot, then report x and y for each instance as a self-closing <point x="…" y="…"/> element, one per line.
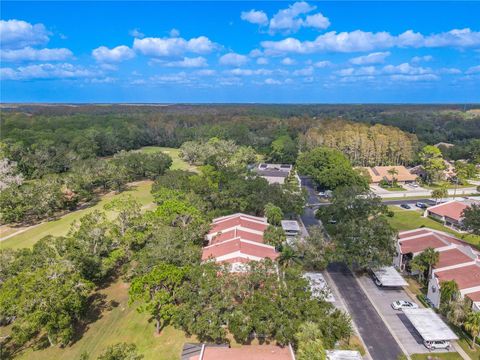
<point x="437" y="356"/>
<point x="60" y="227"/>
<point x="409" y="220"/>
<point x="447" y="184"/>
<point x="119" y="323"/>
<point x="178" y="164"/>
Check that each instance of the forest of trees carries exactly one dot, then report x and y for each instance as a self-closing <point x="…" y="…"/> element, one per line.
<point x="364" y="145"/>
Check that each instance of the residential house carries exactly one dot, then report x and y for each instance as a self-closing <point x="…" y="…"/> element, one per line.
<point x="449" y="214"/>
<point x="379" y="173"/>
<point x="274" y="173"/>
<point x="245" y="352"/>
<point x="457" y="261"/>
<point x="236" y="240"/>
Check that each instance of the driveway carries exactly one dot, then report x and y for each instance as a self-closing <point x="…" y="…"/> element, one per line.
<point x="396" y="320"/>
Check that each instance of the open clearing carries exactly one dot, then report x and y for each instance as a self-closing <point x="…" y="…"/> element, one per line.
<point x="119" y="322"/>
<point x="140" y="191"/>
<point x="409" y="220"/>
<point x="177" y="163"/>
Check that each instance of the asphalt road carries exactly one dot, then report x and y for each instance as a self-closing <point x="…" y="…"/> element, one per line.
<point x="381" y="344"/>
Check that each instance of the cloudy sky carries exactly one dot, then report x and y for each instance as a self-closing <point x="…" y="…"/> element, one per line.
<point x="280" y="52"/>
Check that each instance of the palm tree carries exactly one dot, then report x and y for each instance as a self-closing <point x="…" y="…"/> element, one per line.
<point x="440" y="193"/>
<point x="288" y="257"/>
<point x="417" y="264"/>
<point x="448" y="291"/>
<point x="430" y="257"/>
<point x="472" y="324"/>
<point x="392" y="171"/>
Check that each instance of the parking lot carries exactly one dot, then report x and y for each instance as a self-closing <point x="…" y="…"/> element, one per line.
<point x="396" y="320"/>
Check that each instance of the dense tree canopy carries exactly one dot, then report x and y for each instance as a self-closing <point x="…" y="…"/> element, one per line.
<point x="364" y="145"/>
<point x="329" y="168"/>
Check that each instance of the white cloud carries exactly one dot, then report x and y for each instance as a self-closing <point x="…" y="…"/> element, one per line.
<point x="171" y="47"/>
<point x="254" y="17"/>
<point x="454" y="38"/>
<point x="116" y="54"/>
<point x="30" y="54"/>
<point x="317" y="21"/>
<point x="308" y="71"/>
<point x="16" y="34"/>
<point x="176" y="78"/>
<point x="288" y="61"/>
<point x="373" y="58"/>
<point x="289" y="20"/>
<point x="322" y="64"/>
<point x="174" y="33"/>
<point x="401" y="72"/>
<point x="188" y="62"/>
<point x="415" y="78"/>
<point x="359" y="40"/>
<point x="256" y="53"/>
<point x="249" y="72"/>
<point x="271" y="81"/>
<point x="425" y="58"/>
<point x="262" y="61"/>
<point x="233" y="59"/>
<point x="473" y="70"/>
<point x="205" y="72"/>
<point x="407" y="69"/>
<point x="450" y="71"/>
<point x="47" y="71"/>
<point x="136" y="33"/>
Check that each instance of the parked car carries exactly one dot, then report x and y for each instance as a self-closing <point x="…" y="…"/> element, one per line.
<point x="403" y="304"/>
<point x="421" y="205"/>
<point x="414" y="185"/>
<point x="405" y="206"/>
<point x="432" y="345"/>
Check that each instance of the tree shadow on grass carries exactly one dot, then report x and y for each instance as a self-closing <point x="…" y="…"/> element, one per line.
<point x="96" y="307"/>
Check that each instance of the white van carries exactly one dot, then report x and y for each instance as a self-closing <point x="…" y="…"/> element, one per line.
<point x="441" y="344"/>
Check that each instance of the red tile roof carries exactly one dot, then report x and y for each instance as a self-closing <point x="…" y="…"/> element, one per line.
<point x="248" y="352"/>
<point x="452" y="209"/>
<point x="452" y="257"/>
<point x="238" y="221"/>
<point x="251" y="217"/>
<point x="227" y="235"/>
<point x="244" y="247"/>
<point x="465" y="276"/>
<point x="475" y="296"/>
<point x="421" y="243"/>
<point x="405" y="234"/>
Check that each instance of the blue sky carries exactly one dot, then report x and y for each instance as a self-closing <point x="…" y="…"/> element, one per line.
<point x="274" y="52"/>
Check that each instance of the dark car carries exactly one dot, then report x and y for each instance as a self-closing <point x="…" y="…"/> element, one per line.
<point x="405" y="206"/>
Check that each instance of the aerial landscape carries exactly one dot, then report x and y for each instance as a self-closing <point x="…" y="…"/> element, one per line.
<point x="239" y="180"/>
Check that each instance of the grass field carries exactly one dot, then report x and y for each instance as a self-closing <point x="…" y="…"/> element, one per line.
<point x="177" y="164"/>
<point x="60" y="227"/>
<point x="118" y="323"/>
<point x="139" y="191"/>
<point x="409" y="220"/>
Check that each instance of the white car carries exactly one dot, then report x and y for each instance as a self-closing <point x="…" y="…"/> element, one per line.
<point x="403" y="304"/>
<point x="441" y="344"/>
